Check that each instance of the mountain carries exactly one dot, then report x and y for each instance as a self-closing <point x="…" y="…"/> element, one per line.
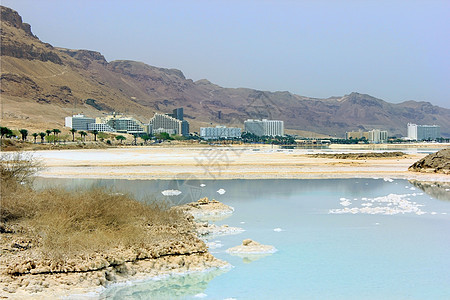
<point x="40" y="84"/>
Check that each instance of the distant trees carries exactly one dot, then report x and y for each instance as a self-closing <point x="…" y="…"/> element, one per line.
<point x="24" y="134"/>
<point x="146" y="137"/>
<point x="120" y="138"/>
<point x="5" y="131"/>
<point x="83" y="135"/>
<point x="35" y="135"/>
<point x="73" y="131"/>
<point x="95" y="132"/>
<point x="163" y="136"/>
<point x="42" y="135"/>
<point x="248" y="137"/>
<point x="55" y="134"/>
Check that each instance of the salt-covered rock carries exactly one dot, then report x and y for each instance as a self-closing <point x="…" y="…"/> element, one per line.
<point x="251" y="247"/>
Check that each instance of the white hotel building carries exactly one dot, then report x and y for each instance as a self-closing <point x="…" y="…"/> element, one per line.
<point x="220" y="132"/>
<point x="264" y="127"/>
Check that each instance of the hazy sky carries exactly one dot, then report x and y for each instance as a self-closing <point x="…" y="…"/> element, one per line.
<point x="393" y="50"/>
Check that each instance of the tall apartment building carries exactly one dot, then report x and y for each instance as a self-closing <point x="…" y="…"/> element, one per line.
<point x="220" y="132"/>
<point x="375" y="136"/>
<point x="167" y="123"/>
<point x="78" y="122"/>
<point x="423" y="132"/>
<point x="264" y="127"/>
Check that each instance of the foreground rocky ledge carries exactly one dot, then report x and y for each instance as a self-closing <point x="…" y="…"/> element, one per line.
<point x="25" y="273"/>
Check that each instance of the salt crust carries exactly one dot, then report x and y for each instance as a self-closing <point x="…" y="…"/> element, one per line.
<point x="391" y="204"/>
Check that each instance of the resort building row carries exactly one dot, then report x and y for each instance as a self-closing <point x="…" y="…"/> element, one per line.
<point x="173" y="123"/>
<point x="169" y="123"/>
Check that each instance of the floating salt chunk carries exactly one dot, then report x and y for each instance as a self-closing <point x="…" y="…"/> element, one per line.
<point x="200" y="295"/>
<point x="342" y="199"/>
<point x="345" y="203"/>
<point x="171" y="192"/>
<point x="221" y="191"/>
<point x="377" y="223"/>
<point x="278" y="229"/>
<point x="355" y="199"/>
<point x="443" y="213"/>
<point x="242" y="222"/>
<point x="388" y="179"/>
<point x="364" y="198"/>
<point x="412" y="188"/>
<point x="366" y="204"/>
<point x="447" y="190"/>
<point x="202" y="185"/>
<point x="434" y="213"/>
<point x="420" y="212"/>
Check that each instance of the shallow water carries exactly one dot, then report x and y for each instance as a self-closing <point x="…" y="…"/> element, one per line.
<point x="320" y="255"/>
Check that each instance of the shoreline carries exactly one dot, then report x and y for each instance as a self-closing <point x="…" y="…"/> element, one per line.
<point x="224" y="163"/>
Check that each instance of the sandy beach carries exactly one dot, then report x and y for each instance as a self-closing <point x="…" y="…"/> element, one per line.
<point x="226" y="163"/>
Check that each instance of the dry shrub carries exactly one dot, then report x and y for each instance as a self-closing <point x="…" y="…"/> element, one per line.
<point x="68" y="222"/>
<point x="96" y="219"/>
<point x="16" y="174"/>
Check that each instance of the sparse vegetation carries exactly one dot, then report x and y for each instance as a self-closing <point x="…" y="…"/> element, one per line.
<point x="120" y="138"/>
<point x="66" y="223"/>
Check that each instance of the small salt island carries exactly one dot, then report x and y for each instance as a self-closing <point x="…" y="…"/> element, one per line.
<point x="252" y="247"/>
<point x="207" y="210"/>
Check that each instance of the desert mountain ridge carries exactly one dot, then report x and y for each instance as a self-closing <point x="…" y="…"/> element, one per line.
<point x="43" y="83"/>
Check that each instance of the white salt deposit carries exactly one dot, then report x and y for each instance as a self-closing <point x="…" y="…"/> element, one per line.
<point x="221" y="191"/>
<point x="202" y="185"/>
<point x="345" y="203"/>
<point x="200" y="295"/>
<point x="171" y="192"/>
<point x="388" y="179"/>
<point x="387" y="205"/>
<point x="278" y="229"/>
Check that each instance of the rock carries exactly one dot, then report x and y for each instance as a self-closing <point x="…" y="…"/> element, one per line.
<point x="251" y="247"/>
<point x="247" y="242"/>
<point x="438" y="162"/>
<point x="203" y="200"/>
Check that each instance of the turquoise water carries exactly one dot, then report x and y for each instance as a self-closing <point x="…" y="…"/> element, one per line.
<point x="320" y="255"/>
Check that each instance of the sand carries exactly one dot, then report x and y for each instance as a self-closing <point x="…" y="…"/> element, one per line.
<point x="225" y="163"/>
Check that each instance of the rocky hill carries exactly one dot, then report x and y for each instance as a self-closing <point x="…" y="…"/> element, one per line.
<point x="438" y="162"/>
<point x="38" y="79"/>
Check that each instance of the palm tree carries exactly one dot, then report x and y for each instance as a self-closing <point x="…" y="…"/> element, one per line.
<point x="48" y="131"/>
<point x="5" y="131"/>
<point x="55" y="133"/>
<point x="83" y="134"/>
<point x="120" y="138"/>
<point x="73" y="134"/>
<point x="42" y="135"/>
<point x="24" y="134"/>
<point x="95" y="132"/>
<point x="35" y="136"/>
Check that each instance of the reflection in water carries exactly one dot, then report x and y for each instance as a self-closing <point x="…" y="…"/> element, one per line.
<point x="192" y="190"/>
<point x="174" y="287"/>
<point x="438" y="190"/>
<point x="250" y="257"/>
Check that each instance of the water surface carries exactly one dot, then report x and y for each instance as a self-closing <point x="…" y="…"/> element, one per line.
<point x="320" y="255"/>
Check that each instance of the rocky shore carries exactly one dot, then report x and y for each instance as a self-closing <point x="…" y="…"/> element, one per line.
<point x="438" y="162"/>
<point x="27" y="274"/>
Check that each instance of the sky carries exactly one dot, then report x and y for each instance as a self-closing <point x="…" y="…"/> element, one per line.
<point x="393" y="50"/>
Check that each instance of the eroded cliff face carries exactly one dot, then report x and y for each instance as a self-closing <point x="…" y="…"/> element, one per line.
<point x="438" y="162"/>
